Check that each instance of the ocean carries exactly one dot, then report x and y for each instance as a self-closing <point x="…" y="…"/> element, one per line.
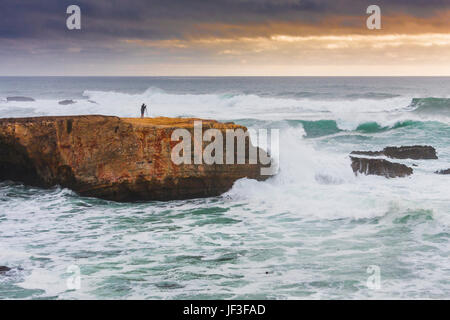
<point x="314" y="231"/>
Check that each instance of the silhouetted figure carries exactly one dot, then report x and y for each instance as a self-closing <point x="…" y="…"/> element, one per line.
<point x="143" y="110"/>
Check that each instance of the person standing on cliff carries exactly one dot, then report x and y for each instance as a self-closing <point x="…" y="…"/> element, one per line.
<point x="143" y="110"/>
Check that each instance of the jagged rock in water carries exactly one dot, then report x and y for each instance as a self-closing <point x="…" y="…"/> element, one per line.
<point x="4" y="269"/>
<point x="443" y="171"/>
<point x="404" y="152"/>
<point x="66" y="102"/>
<point x="19" y="99"/>
<point x="380" y="167"/>
<point x="121" y="159"/>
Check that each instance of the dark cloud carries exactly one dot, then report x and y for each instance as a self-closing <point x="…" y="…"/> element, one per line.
<point x="119" y="36"/>
<point x="168" y="19"/>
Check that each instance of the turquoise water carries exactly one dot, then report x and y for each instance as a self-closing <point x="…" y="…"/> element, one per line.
<point x="312" y="231"/>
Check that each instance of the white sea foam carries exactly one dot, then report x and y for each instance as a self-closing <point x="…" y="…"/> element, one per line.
<point x="315" y="227"/>
<point x="348" y="113"/>
<point x="320" y="184"/>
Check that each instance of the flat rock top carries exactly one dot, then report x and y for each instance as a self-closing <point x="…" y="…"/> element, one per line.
<point x="177" y="122"/>
<point x="160" y="122"/>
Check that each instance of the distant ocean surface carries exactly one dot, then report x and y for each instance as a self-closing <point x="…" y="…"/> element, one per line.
<point x="312" y="231"/>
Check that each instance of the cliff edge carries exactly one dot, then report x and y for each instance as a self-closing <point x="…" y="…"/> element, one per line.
<point x="120" y="159"/>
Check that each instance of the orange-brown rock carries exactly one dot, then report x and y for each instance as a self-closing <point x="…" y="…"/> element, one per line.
<point x="113" y="158"/>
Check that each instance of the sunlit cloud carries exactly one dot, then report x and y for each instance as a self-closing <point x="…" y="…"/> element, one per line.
<point x="238" y="46"/>
<point x="233" y="37"/>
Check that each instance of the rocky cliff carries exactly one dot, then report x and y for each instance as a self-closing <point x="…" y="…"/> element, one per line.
<point x="380" y="167"/>
<point x="388" y="169"/>
<point x="113" y="158"/>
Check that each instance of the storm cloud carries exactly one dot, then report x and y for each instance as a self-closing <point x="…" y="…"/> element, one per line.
<point x="181" y="19"/>
<point x="171" y="32"/>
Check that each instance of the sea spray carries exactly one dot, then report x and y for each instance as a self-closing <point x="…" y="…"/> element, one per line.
<point x="309" y="232"/>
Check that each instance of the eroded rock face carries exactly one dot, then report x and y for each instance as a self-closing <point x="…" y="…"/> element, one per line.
<point x="112" y="158"/>
<point x="404" y="152"/>
<point x="379" y="167"/>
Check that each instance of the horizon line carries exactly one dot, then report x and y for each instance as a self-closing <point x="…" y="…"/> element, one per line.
<point x="224" y="76"/>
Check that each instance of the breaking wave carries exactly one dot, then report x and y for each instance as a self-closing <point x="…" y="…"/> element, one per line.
<point x="315" y="216"/>
<point x="367" y="113"/>
<point x="431" y="106"/>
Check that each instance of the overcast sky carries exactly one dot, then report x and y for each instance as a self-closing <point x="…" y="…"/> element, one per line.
<point x="225" y="37"/>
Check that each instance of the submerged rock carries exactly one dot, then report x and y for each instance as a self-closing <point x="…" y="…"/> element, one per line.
<point x="380" y="167"/>
<point x="66" y="102"/>
<point x="443" y="171"/>
<point x="404" y="152"/>
<point x="19" y="99"/>
<point x="121" y="159"/>
<point x="4" y="269"/>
